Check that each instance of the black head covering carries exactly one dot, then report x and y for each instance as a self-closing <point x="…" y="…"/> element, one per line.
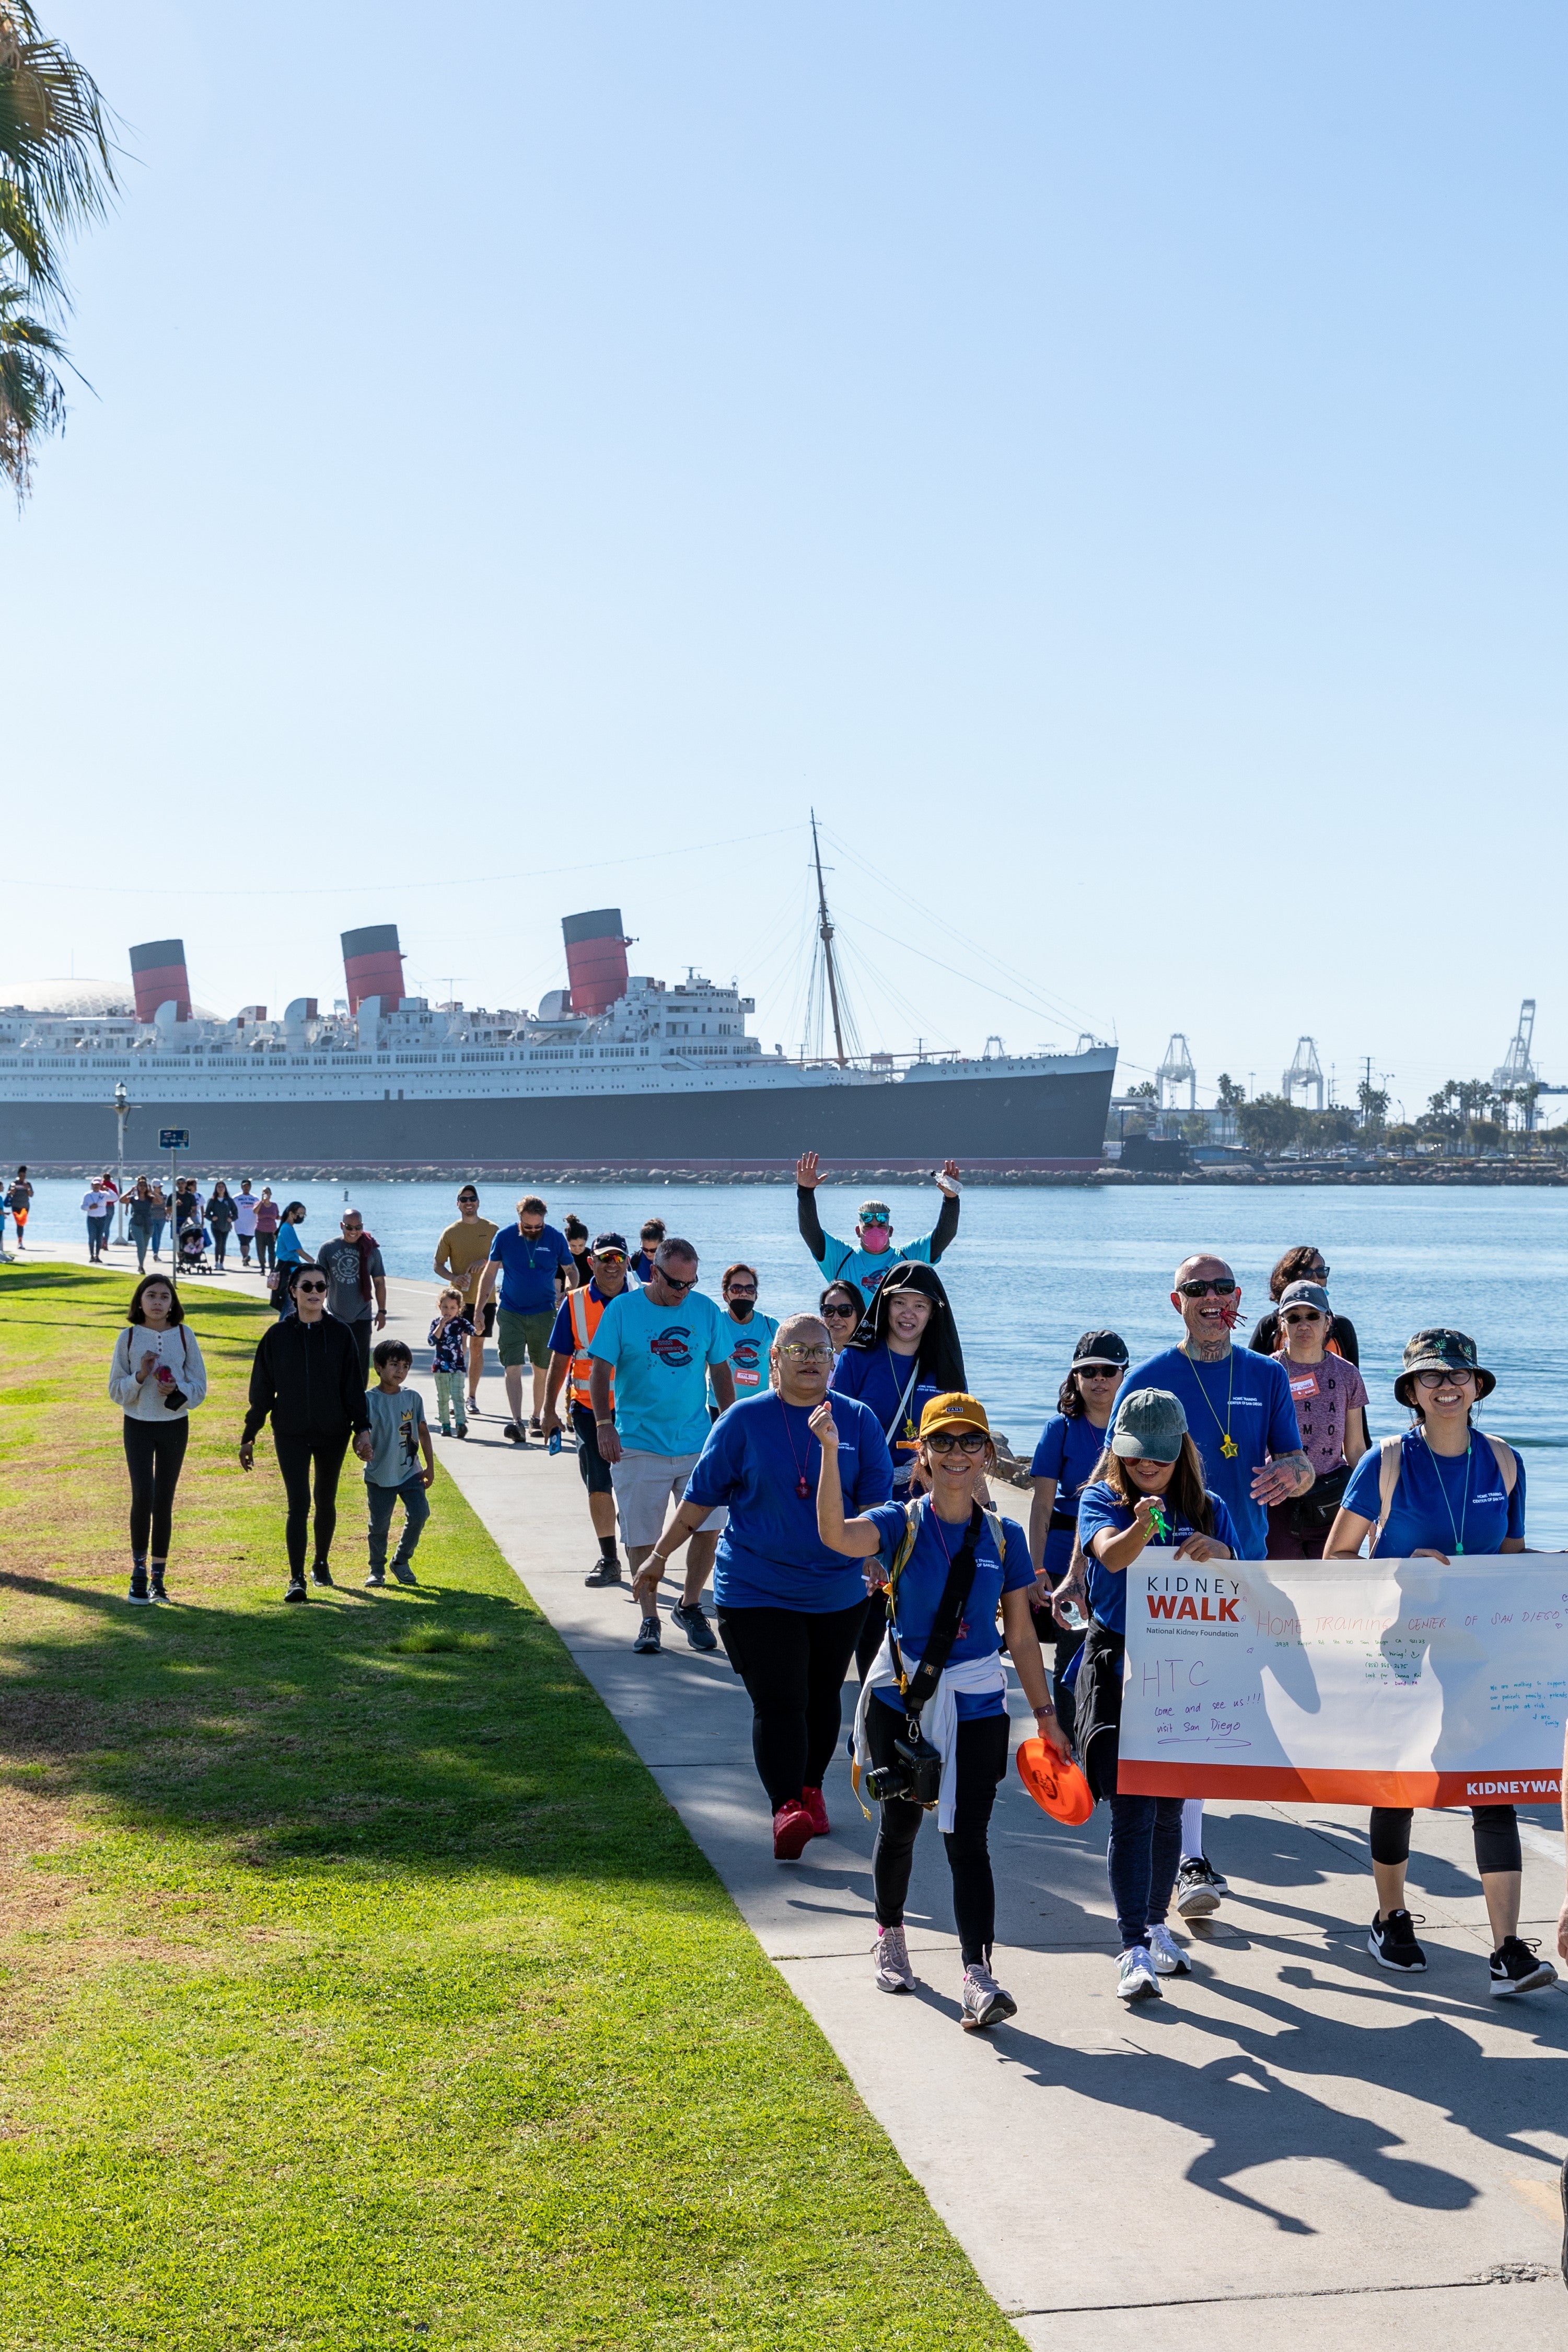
<point x="941" y="1357"/>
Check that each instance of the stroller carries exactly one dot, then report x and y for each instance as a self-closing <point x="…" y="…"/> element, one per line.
<point x="191" y="1251"/>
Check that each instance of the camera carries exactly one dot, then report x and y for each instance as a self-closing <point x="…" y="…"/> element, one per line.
<point x="914" y="1774"/>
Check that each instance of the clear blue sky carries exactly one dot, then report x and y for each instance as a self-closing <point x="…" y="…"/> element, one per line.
<point x="1109" y="459"/>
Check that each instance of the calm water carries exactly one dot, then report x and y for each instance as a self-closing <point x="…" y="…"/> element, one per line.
<point x="1033" y="1269"/>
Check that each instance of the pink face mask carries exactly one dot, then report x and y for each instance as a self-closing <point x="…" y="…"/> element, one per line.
<point x="875" y="1238"/>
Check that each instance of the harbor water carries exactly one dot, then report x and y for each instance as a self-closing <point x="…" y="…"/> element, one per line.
<point x="1031" y="1269"/>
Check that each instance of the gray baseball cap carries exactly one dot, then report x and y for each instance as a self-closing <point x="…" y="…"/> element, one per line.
<point x="1150" y="1426"/>
<point x="1305" y="1294"/>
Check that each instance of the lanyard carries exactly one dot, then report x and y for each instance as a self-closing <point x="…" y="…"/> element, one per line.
<point x="1458" y="1532"/>
<point x="1228" y="1446"/>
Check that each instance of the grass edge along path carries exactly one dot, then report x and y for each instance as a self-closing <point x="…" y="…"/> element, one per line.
<point x="357" y="1986"/>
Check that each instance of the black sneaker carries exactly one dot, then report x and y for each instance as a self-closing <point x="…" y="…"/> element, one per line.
<point x="1391" y="1940"/>
<point x="603" y="1571"/>
<point x="692" y="1622"/>
<point x="1198" y="1888"/>
<point x="320" y="1573"/>
<point x="1515" y="1968"/>
<point x="647" y="1636"/>
<point x="297" y="1590"/>
<point x="516" y="1432"/>
<point x="403" y="1573"/>
<point x="375" y="1581"/>
<point x="155" y="1584"/>
<point x="139" y="1592"/>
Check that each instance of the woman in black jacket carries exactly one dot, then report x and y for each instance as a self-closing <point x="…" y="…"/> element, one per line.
<point x="306" y="1376"/>
<point x="221" y="1215"/>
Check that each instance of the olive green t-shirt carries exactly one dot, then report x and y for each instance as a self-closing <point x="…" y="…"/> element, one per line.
<point x="465" y="1248"/>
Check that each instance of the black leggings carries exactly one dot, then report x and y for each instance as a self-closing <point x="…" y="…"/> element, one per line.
<point x="872" y="1633"/>
<point x="1496" y="1833"/>
<point x="980" y="1761"/>
<point x="793" y="1663"/>
<point x="266" y="1250"/>
<point x="294" y="1456"/>
<point x="153" y="1452"/>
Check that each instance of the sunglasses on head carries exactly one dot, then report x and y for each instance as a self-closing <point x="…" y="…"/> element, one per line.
<point x="1201" y="1289"/>
<point x="967" y="1441"/>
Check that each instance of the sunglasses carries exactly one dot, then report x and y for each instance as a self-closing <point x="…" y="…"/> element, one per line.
<point x="1099" y="1371"/>
<point x="674" y="1283"/>
<point x="608" y="1257"/>
<point x="839" y="1310"/>
<point x="1445" y="1378"/>
<point x="806" y="1355"/>
<point x="741" y="1290"/>
<point x="1307" y="1315"/>
<point x="968" y="1441"/>
<point x="1201" y="1289"/>
<point x="310" y="1290"/>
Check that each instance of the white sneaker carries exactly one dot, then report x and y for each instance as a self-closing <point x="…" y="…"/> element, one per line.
<point x="1166" y="1954"/>
<point x="891" y="1953"/>
<point x="1135" y="1978"/>
<point x="985" y="2002"/>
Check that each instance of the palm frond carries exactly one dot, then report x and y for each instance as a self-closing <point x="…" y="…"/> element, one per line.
<point x="32" y="396"/>
<point x="57" y="150"/>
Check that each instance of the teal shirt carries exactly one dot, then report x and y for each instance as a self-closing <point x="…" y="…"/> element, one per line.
<point x="845" y="1262"/>
<point x="660" y="1357"/>
<point x="750" y="1354"/>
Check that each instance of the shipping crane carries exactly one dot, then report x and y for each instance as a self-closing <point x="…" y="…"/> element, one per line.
<point x="1306" y="1070"/>
<point x="1176" y="1070"/>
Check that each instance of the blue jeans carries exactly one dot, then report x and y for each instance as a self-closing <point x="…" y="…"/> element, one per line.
<point x="416" y="1510"/>
<point x="97" y="1228"/>
<point x="1142" y="1859"/>
<point x="158" y="1226"/>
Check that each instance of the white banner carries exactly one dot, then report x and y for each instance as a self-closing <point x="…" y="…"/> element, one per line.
<point x="1387" y="1682"/>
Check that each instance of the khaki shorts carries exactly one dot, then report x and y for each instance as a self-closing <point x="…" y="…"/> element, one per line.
<point x="520" y="1337"/>
<point x="645" y="1485"/>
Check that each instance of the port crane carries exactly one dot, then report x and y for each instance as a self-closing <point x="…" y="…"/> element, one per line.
<point x="1176" y="1070"/>
<point x="1306" y="1070"/>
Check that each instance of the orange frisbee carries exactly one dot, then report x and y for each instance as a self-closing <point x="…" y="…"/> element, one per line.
<point x="1055" y="1783"/>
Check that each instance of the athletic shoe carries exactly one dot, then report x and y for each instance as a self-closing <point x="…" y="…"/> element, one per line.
<point x="516" y="1432"/>
<point x="647" y="1636"/>
<point x="155" y="1584"/>
<point x="403" y="1573"/>
<point x="320" y="1573"/>
<point x="535" y="1426"/>
<point x="1166" y="1954"/>
<point x="1391" y="1940"/>
<point x="985" y="2002"/>
<point x="139" y="1592"/>
<point x="297" y="1590"/>
<point x="474" y="1411"/>
<point x="816" y="1805"/>
<point x="1515" y="1968"/>
<point x="462" y="1429"/>
<point x="793" y="1831"/>
<point x="693" y="1621"/>
<point x="1198" y="1888"/>
<point x="891" y="1953"/>
<point x="602" y="1572"/>
<point x="375" y="1581"/>
<point x="1135" y="1978"/>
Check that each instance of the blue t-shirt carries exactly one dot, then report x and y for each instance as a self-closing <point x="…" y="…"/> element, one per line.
<point x="749" y="1352"/>
<point x="923" y="1578"/>
<point x="527" y="1268"/>
<point x="770" y="1555"/>
<point x="1250" y="1396"/>
<point x="660" y="1357"/>
<point x="1103" y="1507"/>
<point x="877" y="1377"/>
<point x="847" y="1262"/>
<point x="1067" y="1452"/>
<point x="1449" y="1502"/>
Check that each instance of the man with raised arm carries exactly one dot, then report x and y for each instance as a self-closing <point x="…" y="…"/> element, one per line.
<point x="872" y="1253"/>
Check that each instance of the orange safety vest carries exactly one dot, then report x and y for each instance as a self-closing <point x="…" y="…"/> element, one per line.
<point x="583" y="1332"/>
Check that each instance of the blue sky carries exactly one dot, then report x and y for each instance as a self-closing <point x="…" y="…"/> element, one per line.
<point x="1110" y="460"/>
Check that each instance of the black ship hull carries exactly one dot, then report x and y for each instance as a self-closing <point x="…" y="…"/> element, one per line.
<point x="1032" y="1122"/>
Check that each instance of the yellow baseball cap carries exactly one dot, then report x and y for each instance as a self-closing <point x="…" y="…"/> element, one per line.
<point x="954" y="1411"/>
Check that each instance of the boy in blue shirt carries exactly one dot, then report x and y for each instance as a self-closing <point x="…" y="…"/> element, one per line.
<point x="399" y="1435"/>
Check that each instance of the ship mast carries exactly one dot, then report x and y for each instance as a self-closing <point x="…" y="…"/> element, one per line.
<point x="825" y="933"/>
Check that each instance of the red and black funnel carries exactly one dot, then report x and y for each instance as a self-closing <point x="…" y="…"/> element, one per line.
<point x="373" y="964"/>
<point x="158" y="976"/>
<point x="595" y="958"/>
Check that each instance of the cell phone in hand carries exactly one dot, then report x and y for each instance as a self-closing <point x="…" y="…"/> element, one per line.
<point x="553" y="1446"/>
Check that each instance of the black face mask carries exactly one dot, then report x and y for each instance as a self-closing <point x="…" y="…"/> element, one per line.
<point x="743" y="1310"/>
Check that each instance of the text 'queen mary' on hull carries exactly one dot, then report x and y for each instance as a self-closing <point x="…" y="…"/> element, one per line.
<point x="618" y="1071"/>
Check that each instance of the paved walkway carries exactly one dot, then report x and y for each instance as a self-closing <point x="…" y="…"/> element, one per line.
<point x="1288" y="2140"/>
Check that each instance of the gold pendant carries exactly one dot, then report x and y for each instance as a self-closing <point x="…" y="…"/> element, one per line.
<point x="1229" y="1447"/>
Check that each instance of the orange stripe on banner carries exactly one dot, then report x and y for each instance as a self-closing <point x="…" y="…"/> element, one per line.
<point x="1421" y="1789"/>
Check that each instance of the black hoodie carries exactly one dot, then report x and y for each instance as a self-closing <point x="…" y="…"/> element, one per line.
<point x="940" y="1356"/>
<point x="308" y="1377"/>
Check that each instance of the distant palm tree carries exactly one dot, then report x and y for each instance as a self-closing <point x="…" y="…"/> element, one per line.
<point x="56" y="171"/>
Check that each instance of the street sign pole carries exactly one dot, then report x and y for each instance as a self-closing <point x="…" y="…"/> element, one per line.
<point x="171" y="1139"/>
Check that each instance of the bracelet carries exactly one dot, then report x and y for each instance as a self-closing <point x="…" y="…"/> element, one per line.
<point x="608" y="1422"/>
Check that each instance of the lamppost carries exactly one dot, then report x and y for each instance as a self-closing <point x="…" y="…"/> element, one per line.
<point x="123" y="1107"/>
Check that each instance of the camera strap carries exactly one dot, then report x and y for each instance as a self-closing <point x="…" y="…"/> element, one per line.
<point x="916" y="1688"/>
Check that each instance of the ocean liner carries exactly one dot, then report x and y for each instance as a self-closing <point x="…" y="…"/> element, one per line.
<point x="617" y="1072"/>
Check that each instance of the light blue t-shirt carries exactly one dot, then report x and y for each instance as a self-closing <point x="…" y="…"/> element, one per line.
<point x="846" y="1262"/>
<point x="660" y="1357"/>
<point x="750" y="1353"/>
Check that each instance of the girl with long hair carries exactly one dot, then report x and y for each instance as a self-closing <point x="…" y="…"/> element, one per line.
<point x="157" y="1378"/>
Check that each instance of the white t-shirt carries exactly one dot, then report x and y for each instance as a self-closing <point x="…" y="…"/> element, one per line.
<point x="244" y="1214"/>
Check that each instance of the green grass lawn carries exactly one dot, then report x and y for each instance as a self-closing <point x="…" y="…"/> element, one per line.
<point x="357" y="1988"/>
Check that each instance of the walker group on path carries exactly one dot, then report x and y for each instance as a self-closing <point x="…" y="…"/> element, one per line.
<point x="831" y="1474"/>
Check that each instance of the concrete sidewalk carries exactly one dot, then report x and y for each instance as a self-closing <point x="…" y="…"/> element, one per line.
<point x="1290" y="2139"/>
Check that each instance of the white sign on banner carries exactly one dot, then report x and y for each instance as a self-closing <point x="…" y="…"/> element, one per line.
<point x="1386" y="1682"/>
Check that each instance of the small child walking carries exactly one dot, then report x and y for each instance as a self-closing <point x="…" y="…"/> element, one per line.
<point x="449" y="1336"/>
<point x="399" y="1434"/>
